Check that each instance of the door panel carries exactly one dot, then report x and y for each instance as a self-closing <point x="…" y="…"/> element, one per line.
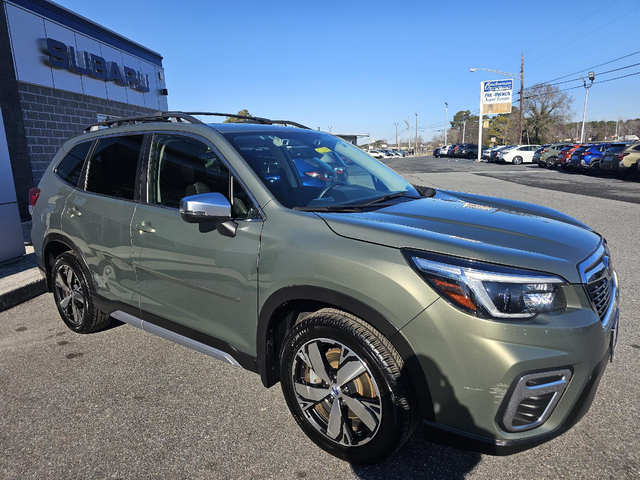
<point x="100" y="227"/>
<point x="196" y="277"/>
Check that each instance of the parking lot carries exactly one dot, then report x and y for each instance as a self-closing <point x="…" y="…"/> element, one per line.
<point x="125" y="404"/>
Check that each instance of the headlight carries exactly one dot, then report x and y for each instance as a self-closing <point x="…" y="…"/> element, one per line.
<point x="489" y="291"/>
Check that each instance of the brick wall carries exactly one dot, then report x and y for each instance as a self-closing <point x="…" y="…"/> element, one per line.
<point x="53" y="116"/>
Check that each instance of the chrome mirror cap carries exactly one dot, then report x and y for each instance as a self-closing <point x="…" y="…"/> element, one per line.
<point x="205" y="207"/>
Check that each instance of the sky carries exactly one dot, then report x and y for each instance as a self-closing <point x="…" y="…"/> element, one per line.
<point x="361" y="66"/>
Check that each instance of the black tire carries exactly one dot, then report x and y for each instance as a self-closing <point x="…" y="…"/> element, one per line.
<point x="637" y="171"/>
<point x="551" y="162"/>
<point x="70" y="283"/>
<point x="517" y="160"/>
<point x="388" y="406"/>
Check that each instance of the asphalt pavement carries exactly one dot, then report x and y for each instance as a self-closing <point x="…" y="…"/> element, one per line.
<point x="122" y="403"/>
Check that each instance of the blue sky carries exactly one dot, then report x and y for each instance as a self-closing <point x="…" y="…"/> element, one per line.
<point x="359" y="66"/>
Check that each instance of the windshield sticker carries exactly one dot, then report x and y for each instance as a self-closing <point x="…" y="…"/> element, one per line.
<point x="278" y="142"/>
<point x="323" y="150"/>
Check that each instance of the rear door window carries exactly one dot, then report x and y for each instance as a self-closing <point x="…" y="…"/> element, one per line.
<point x="70" y="167"/>
<point x="113" y="169"/>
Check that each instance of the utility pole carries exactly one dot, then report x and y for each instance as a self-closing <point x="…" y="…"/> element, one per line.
<point x="464" y="129"/>
<point x="330" y="127"/>
<point x="408" y="122"/>
<point x="446" y="121"/>
<point x="521" y="93"/>
<point x="416" y="142"/>
<point x="592" y="77"/>
<point x="397" y="144"/>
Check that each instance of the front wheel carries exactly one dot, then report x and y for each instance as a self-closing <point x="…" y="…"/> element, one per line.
<point x="342" y="382"/>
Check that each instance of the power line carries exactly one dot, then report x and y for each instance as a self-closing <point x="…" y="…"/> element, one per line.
<point x="581" y="86"/>
<point x="595" y="66"/>
<point x="553" y="37"/>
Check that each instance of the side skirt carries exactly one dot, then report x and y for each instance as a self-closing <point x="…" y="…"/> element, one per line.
<point x="174" y="337"/>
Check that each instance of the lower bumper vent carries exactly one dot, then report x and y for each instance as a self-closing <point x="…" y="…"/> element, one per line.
<point x="534" y="398"/>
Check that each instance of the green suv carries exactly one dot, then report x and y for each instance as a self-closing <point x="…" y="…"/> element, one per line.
<point x="376" y="304"/>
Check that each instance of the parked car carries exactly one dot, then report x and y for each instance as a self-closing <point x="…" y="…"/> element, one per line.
<point x="444" y="150"/>
<point x="547" y="155"/>
<point x="496" y="151"/>
<point x="469" y="150"/>
<point x="583" y="157"/>
<point x="518" y="154"/>
<point x="436" y="152"/>
<point x="565" y="154"/>
<point x="622" y="159"/>
<point x="377" y="305"/>
<point x="376" y="153"/>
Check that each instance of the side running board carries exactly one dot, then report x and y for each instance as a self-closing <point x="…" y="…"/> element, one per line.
<point x="174" y="337"/>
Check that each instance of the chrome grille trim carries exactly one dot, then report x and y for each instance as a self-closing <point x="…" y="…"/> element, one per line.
<point x="600" y="283"/>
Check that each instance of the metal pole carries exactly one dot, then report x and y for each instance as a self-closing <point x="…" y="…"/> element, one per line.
<point x="584" y="113"/>
<point x="408" y="122"/>
<point x="479" y="159"/>
<point x="521" y="94"/>
<point x="397" y="144"/>
<point x="446" y="120"/>
<point x="416" y="142"/>
<point x="464" y="129"/>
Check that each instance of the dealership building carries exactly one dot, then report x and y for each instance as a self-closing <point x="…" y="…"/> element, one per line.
<point x="60" y="72"/>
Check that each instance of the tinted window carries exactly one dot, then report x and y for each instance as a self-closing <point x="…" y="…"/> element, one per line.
<point x="113" y="166"/>
<point x="182" y="166"/>
<point x="70" y="167"/>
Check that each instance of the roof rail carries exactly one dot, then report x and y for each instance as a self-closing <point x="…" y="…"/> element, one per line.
<point x="180" y="117"/>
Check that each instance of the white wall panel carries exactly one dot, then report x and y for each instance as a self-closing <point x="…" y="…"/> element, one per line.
<point x="63" y="79"/>
<point x="26" y="30"/>
<point x="114" y="91"/>
<point x="151" y="97"/>
<point x="92" y="86"/>
<point x="134" y="96"/>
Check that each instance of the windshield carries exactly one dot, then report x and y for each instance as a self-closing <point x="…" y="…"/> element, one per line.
<point x="310" y="170"/>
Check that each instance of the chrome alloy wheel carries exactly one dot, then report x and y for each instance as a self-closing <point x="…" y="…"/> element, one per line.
<point x="68" y="291"/>
<point x="337" y="392"/>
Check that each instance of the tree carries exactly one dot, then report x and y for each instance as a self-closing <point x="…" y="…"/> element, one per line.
<point x="244" y="113"/>
<point x="461" y="118"/>
<point x="546" y="107"/>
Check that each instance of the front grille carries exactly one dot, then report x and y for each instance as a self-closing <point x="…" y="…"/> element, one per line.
<point x="598" y="278"/>
<point x="600" y="295"/>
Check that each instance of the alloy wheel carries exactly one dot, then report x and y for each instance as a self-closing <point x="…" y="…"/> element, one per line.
<point x="68" y="291"/>
<point x="337" y="392"/>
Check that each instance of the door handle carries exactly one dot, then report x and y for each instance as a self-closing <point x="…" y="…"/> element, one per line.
<point x="75" y="212"/>
<point x="145" y="227"/>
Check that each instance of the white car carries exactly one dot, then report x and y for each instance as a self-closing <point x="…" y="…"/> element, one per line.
<point x="444" y="150"/>
<point x="518" y="155"/>
<point x="375" y="153"/>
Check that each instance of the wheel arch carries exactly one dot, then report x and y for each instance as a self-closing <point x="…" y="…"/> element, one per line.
<point x="281" y="310"/>
<point x="53" y="245"/>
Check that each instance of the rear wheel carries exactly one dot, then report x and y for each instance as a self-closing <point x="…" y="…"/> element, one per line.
<point x="517" y="160"/>
<point x="343" y="384"/>
<point x="73" y="296"/>
<point x="551" y="162"/>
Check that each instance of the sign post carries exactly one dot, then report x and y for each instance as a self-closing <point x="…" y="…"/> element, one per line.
<point x="495" y="97"/>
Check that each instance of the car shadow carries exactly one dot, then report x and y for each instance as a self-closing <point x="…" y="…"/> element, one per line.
<point x="419" y="458"/>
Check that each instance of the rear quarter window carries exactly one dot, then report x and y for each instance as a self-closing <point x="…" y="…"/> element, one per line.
<point x="70" y="167"/>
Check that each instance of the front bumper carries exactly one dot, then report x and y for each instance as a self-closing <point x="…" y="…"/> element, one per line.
<point x="471" y="366"/>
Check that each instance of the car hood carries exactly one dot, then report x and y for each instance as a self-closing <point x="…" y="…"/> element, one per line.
<point x="482" y="228"/>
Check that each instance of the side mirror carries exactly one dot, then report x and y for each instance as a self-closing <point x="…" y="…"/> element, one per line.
<point x="209" y="208"/>
<point x="205" y="207"/>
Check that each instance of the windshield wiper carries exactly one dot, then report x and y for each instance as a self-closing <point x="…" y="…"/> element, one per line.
<point x="388" y="196"/>
<point x="330" y="208"/>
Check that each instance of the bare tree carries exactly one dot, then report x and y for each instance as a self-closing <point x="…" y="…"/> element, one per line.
<point x="546" y="107"/>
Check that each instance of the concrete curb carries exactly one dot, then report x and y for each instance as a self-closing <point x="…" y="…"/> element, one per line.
<point x="22" y="294"/>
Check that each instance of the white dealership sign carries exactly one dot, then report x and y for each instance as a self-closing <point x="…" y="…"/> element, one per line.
<point x="496" y="96"/>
